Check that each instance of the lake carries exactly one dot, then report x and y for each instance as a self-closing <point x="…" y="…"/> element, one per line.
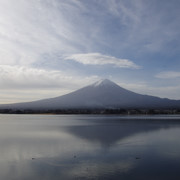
<point x="51" y="147"/>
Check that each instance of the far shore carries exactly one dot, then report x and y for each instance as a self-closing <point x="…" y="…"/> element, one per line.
<point x="106" y="111"/>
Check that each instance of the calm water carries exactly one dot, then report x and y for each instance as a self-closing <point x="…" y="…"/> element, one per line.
<point x="89" y="147"/>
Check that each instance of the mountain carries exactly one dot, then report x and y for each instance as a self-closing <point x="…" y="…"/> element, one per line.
<point x="102" y="94"/>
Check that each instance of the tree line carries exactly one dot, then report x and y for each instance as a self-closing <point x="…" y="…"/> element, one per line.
<point x="120" y="111"/>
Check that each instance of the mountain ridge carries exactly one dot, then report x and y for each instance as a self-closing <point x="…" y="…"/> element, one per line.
<point x="101" y="94"/>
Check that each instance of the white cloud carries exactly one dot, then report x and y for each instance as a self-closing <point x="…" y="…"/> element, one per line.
<point x="99" y="59"/>
<point x="18" y="83"/>
<point x="171" y="92"/>
<point x="41" y="32"/>
<point x="23" y="77"/>
<point x="149" y="26"/>
<point x="168" y="75"/>
<point x="29" y="29"/>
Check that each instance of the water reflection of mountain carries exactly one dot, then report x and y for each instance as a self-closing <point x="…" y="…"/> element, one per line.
<point x="109" y="132"/>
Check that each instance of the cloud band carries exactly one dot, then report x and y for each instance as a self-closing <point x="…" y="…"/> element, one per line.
<point x="100" y="59"/>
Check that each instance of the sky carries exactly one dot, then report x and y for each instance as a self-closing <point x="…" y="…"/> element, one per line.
<point x="52" y="47"/>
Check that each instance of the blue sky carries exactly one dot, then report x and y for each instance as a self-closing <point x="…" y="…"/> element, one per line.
<point x="52" y="47"/>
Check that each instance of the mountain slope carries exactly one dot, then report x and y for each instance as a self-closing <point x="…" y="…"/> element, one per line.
<point x="102" y="94"/>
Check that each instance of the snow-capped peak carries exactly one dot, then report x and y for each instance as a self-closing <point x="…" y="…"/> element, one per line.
<point x="103" y="82"/>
